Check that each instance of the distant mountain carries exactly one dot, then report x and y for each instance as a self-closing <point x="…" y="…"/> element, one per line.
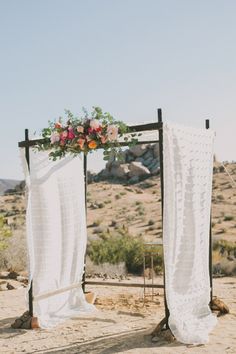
<point x="6" y="184"/>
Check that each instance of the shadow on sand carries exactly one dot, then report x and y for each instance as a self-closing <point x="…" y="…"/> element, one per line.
<point x="6" y="332"/>
<point x="111" y="344"/>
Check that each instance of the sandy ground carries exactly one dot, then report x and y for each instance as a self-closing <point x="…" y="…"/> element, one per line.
<point x="122" y="325"/>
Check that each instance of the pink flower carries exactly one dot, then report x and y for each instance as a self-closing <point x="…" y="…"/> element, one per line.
<point x="112" y="132"/>
<point x="81" y="143"/>
<point x="80" y="129"/>
<point x="103" y="139"/>
<point x="95" y="124"/>
<point x="71" y="134"/>
<point x="64" y="135"/>
<point x="55" y="137"/>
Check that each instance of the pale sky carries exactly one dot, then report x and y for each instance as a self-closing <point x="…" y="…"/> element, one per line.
<point x="127" y="56"/>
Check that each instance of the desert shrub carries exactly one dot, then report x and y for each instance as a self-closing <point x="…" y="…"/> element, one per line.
<point x="117" y="196"/>
<point x="228" y="218"/>
<point x="97" y="222"/>
<point x="151" y="222"/>
<point x="5" y="233"/>
<point x="223" y="245"/>
<point x="221" y="169"/>
<point x="130" y="218"/>
<point x="121" y="247"/>
<point x="140" y="209"/>
<point x="221" y="231"/>
<point x="99" y="230"/>
<point x="108" y="201"/>
<point x="220" y="197"/>
<point x="113" y="223"/>
<point x="151" y="228"/>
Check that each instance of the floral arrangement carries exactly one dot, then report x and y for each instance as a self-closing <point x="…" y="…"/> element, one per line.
<point x="85" y="134"/>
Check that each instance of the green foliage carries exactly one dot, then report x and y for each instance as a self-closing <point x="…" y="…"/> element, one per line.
<point x="121" y="247"/>
<point x="97" y="222"/>
<point x="220" y="197"/>
<point x="5" y="233"/>
<point x="228" y="218"/>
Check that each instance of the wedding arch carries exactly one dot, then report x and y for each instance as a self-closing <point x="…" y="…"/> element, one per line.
<point x="158" y="127"/>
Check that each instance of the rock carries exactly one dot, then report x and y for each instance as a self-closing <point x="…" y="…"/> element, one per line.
<point x="155" y="170"/>
<point x="3" y="285"/>
<point x="10" y="286"/>
<point x="90" y="176"/>
<point x="13" y="275"/>
<point x="148" y="154"/>
<point x="22" y="279"/>
<point x="133" y="180"/>
<point x="108" y="165"/>
<point x="155" y="163"/>
<point x="137" y="169"/>
<point x="148" y="161"/>
<point x="140" y="159"/>
<point x="156" y="150"/>
<point x="129" y="157"/>
<point x="4" y="275"/>
<point x="138" y="150"/>
<point x="121" y="171"/>
<point x="105" y="173"/>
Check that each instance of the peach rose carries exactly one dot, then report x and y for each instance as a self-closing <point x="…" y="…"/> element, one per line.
<point x="81" y="143"/>
<point x="103" y="139"/>
<point x="80" y="129"/>
<point x="58" y="125"/>
<point x="92" y="144"/>
<point x="112" y="132"/>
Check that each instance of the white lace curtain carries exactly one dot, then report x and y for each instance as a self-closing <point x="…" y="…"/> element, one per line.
<point x="188" y="165"/>
<point x="56" y="235"/>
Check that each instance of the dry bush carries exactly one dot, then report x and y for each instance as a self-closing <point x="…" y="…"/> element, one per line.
<point x="14" y="257"/>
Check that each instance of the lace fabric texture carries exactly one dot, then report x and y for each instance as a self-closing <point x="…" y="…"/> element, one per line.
<point x="188" y="165"/>
<point x="56" y="236"/>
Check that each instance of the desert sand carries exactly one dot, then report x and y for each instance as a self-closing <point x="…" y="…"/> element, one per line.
<point x="122" y="324"/>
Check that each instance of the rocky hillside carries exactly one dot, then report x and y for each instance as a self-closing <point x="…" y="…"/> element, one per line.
<point x="6" y="184"/>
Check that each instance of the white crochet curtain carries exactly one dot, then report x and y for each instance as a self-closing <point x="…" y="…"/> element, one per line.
<point x="188" y="164"/>
<point x="56" y="235"/>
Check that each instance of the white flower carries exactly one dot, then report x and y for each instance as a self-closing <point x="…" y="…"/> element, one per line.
<point x="112" y="132"/>
<point x="95" y="124"/>
<point x="80" y="129"/>
<point x="55" y="137"/>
